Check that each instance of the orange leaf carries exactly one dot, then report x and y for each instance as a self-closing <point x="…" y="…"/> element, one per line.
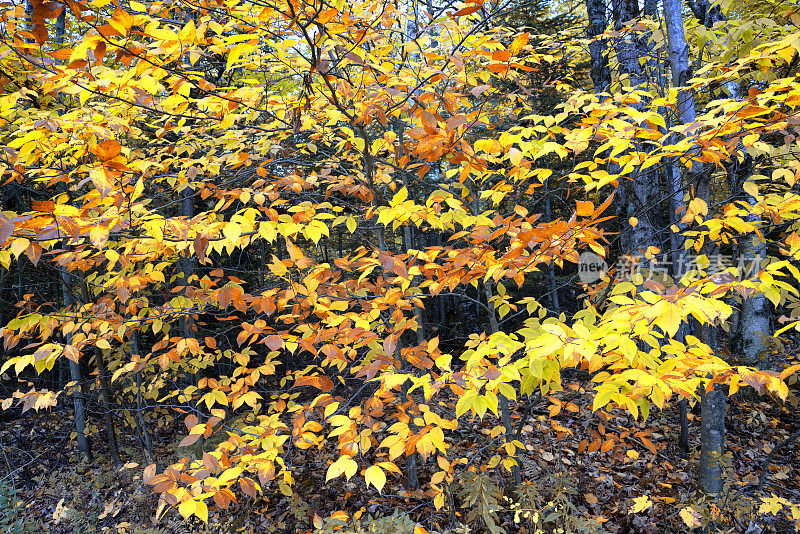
<point x="585" y="209"/>
<point x="100" y="51"/>
<point x="466" y="11"/>
<point x="649" y="445"/>
<point x="108" y="149"/>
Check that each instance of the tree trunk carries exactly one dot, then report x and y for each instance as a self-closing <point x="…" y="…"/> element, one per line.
<point x="412" y="476"/>
<point x="683" y="438"/>
<point x="755" y="324"/>
<point x="186" y="266"/>
<point x="78" y="400"/>
<point x="598" y="49"/>
<point x="108" y="415"/>
<point x="712" y="403"/>
<point x="755" y="327"/>
<point x="412" y="472"/>
<point x="551" y="271"/>
<point x="105" y="390"/>
<point x="637" y="197"/>
<point x="408" y="245"/>
<point x="505" y="410"/>
<point x="141" y="420"/>
<point x="61" y="25"/>
<point x="712" y="440"/>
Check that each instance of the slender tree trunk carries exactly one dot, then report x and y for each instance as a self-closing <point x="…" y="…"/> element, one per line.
<point x="108" y="415"/>
<point x="412" y="475"/>
<point x="186" y="266"/>
<point x="712" y="440"/>
<point x="187" y="263"/>
<point x="683" y="438"/>
<point x="369" y="172"/>
<point x="61" y="25"/>
<point x="712" y="403"/>
<point x="29" y="18"/>
<point x="598" y="49"/>
<point x="409" y="244"/>
<point x="505" y="410"/>
<point x="412" y="472"/>
<point x="755" y="326"/>
<point x="679" y="67"/>
<point x="551" y="271"/>
<point x="78" y="400"/>
<point x="141" y="419"/>
<point x="637" y="194"/>
<point x="105" y="390"/>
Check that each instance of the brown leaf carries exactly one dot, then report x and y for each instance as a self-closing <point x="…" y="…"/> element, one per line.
<point x="428" y="121"/>
<point x="191" y="439"/>
<point x="149" y="473"/>
<point x="190" y="422"/>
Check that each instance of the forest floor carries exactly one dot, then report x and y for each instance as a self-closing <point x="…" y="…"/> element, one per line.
<point x="623" y="475"/>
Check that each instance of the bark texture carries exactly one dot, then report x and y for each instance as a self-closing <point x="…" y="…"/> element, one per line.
<point x="598" y="48"/>
<point x="712" y="404"/>
<point x="754" y="324"/>
<point x="712" y="440"/>
<point x="76" y="375"/>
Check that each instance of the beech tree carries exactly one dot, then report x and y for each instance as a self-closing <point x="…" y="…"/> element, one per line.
<point x="374" y="159"/>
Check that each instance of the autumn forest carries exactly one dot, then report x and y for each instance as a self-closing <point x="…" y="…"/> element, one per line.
<point x="399" y="266"/>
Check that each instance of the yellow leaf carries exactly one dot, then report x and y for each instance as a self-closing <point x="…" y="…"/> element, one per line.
<point x="187" y="508"/>
<point x="98" y="235"/>
<point x="102" y="179"/>
<point x="232" y="231"/>
<point x="18" y="245"/>
<point x="698" y="206"/>
<point x="345" y="465"/>
<point x="188" y="32"/>
<point x="277" y="267"/>
<point x="772" y="505"/>
<point x="584" y="209"/>
<point x="641" y="504"/>
<point x="201" y="511"/>
<point x="751" y="189"/>
<point x="787" y="54"/>
<point x="315" y="230"/>
<point x="514" y="156"/>
<point x="400" y="196"/>
<point x="374" y="475"/>
<point x="234" y="55"/>
<point x="669" y="319"/>
<point x="227" y="121"/>
<point x="519" y="41"/>
<point x="691" y="517"/>
<point x="351" y="224"/>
